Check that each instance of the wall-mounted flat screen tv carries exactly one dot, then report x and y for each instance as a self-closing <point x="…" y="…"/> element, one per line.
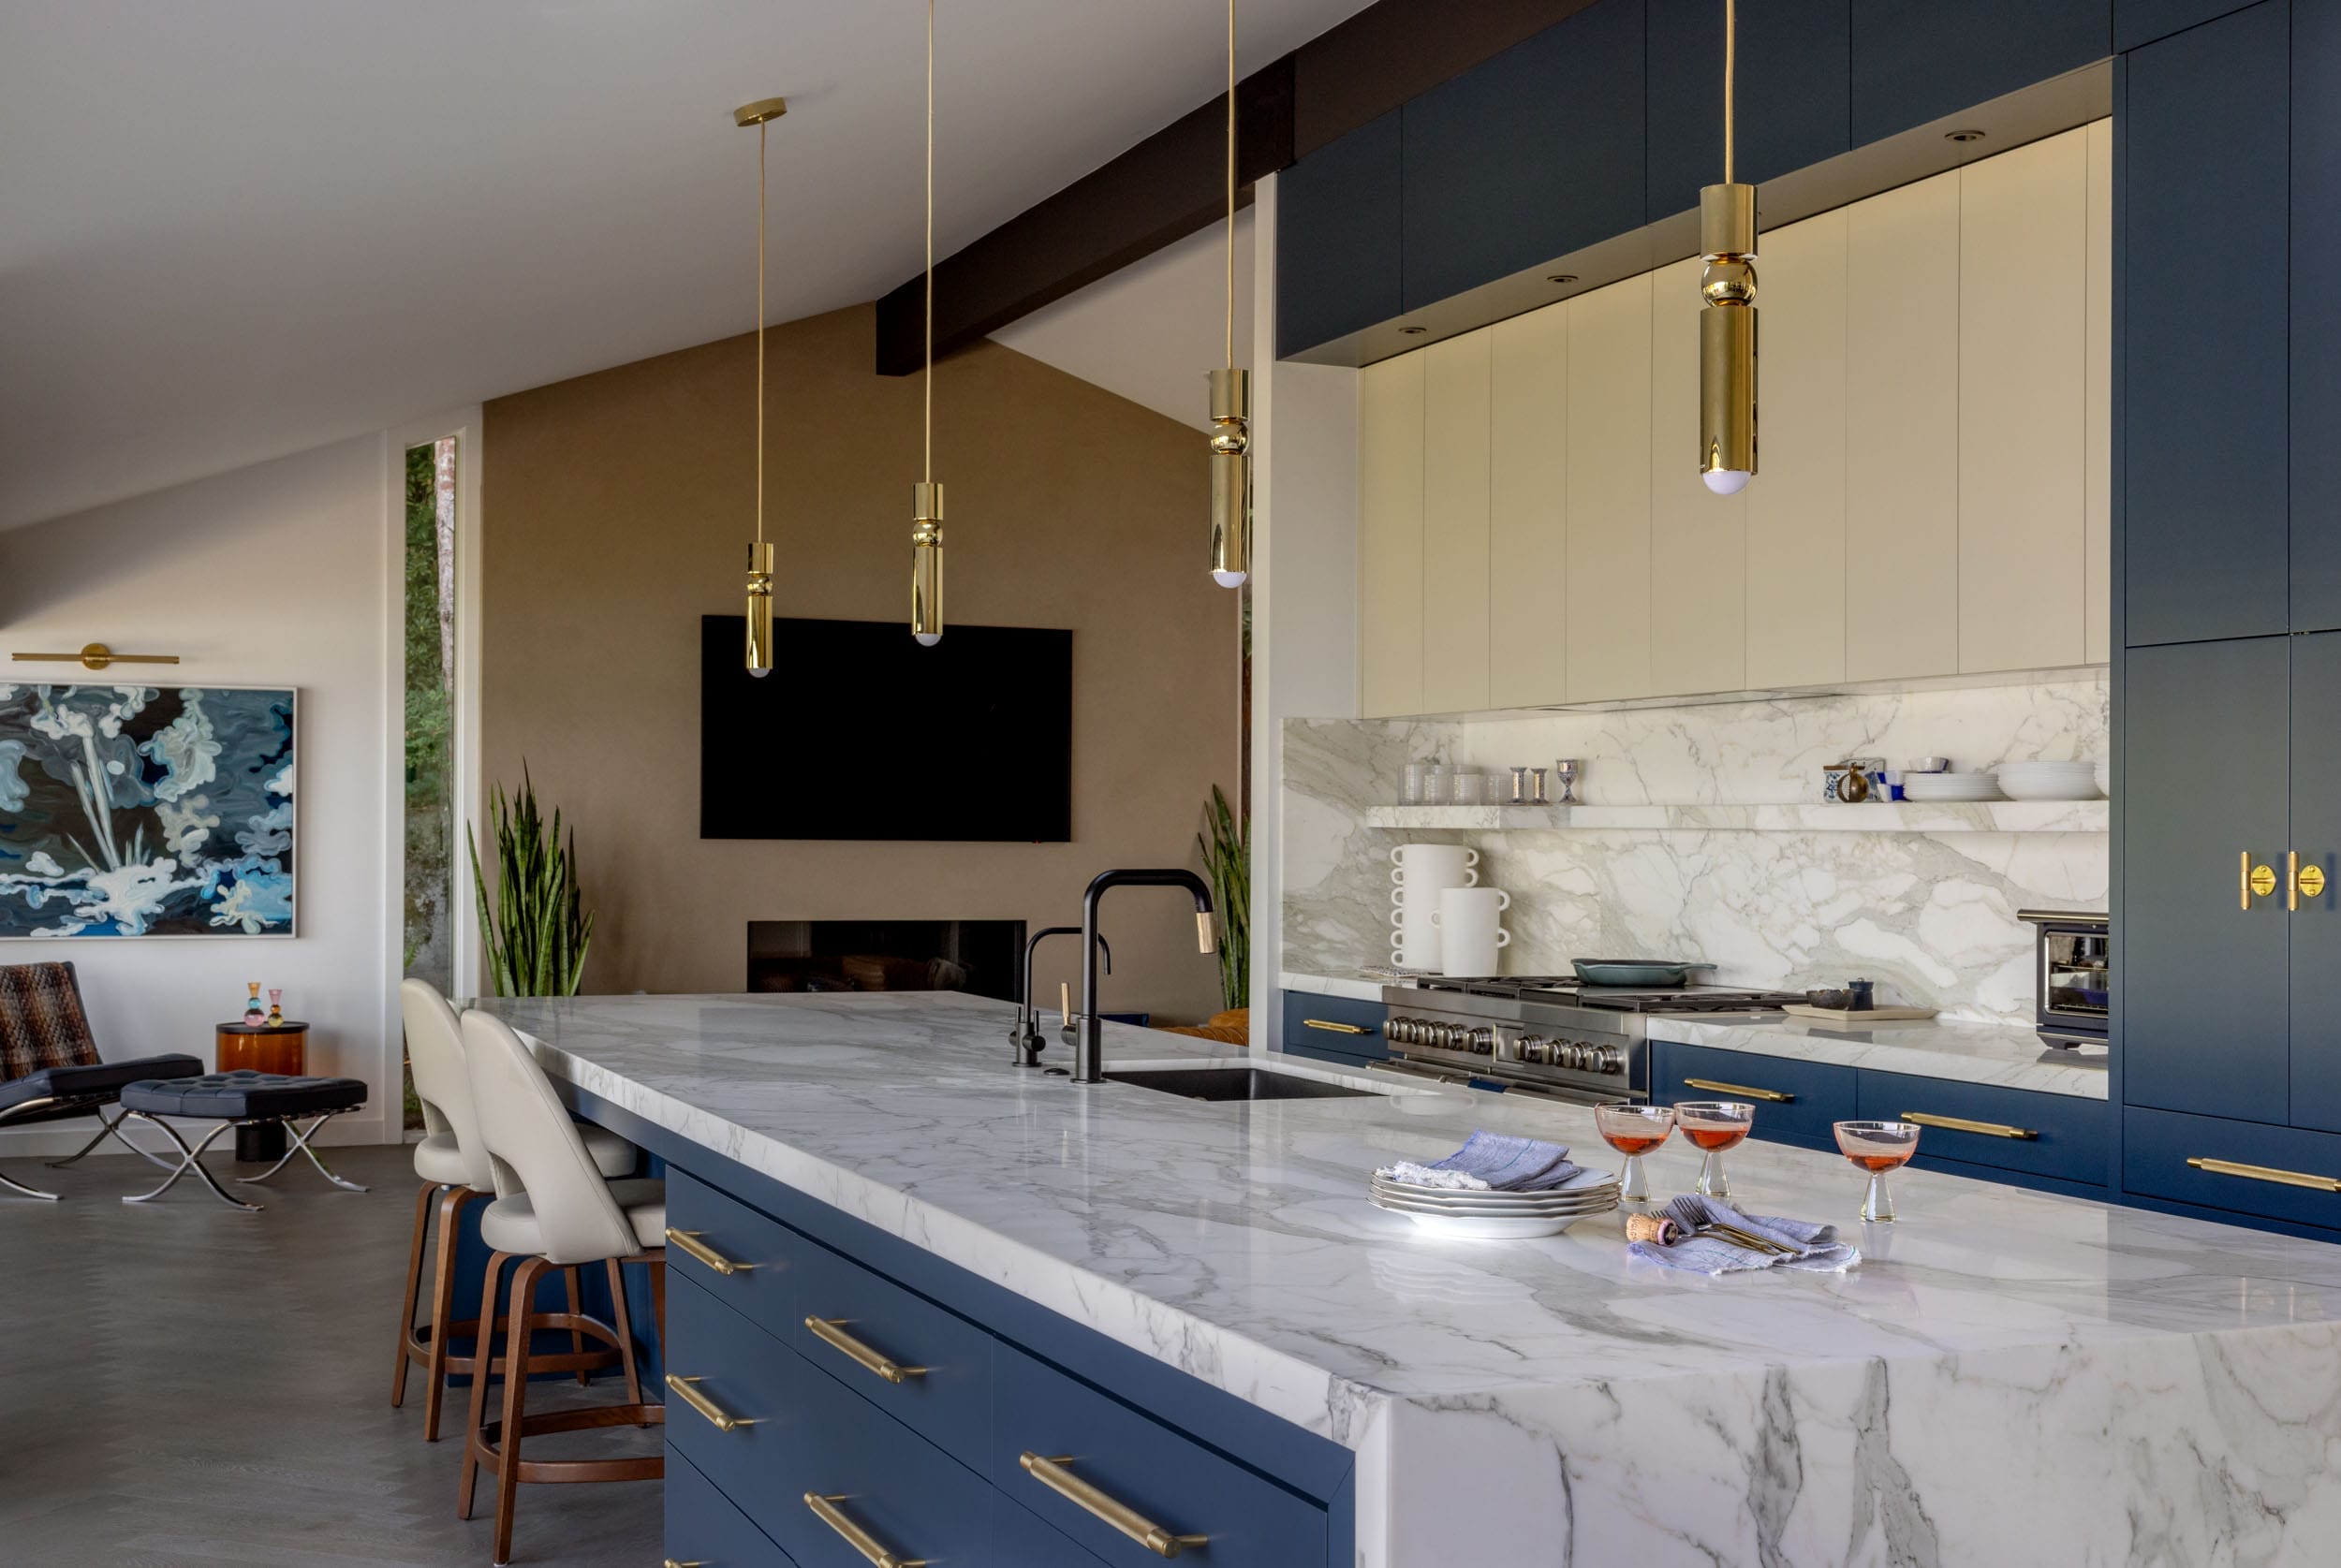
<point x="860" y="733"/>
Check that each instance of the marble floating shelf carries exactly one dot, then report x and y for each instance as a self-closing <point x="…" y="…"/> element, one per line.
<point x="1897" y="816"/>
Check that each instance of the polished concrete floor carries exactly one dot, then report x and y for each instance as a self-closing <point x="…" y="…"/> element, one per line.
<point x="181" y="1382"/>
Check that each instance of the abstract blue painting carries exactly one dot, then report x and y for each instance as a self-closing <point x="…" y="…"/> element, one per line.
<point x="144" y="810"/>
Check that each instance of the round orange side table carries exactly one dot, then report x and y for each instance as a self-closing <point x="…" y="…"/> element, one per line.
<point x="262" y="1047"/>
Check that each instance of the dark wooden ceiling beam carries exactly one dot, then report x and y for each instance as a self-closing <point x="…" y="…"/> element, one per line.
<point x="1173" y="184"/>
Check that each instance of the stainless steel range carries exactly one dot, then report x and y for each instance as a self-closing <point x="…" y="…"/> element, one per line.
<point x="1545" y="1035"/>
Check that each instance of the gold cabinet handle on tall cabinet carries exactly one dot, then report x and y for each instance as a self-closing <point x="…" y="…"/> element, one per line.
<point x="1770" y="1096"/>
<point x="686" y="1389"/>
<point x="2267" y="1173"/>
<point x="2251" y="879"/>
<point x="825" y="1509"/>
<point x="1110" y="1510"/>
<point x="1961" y="1125"/>
<point x="2301" y="880"/>
<point x="830" y="1331"/>
<point x="1331" y="1028"/>
<point x="688" y="1243"/>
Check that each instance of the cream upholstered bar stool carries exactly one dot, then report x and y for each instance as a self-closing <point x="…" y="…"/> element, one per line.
<point x="555" y="1209"/>
<point x="453" y="1166"/>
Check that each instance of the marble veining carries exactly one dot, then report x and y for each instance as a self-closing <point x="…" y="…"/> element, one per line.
<point x="1702" y="841"/>
<point x="2010" y="1377"/>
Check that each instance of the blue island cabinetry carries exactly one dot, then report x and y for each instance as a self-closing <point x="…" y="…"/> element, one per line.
<point x="835" y="1391"/>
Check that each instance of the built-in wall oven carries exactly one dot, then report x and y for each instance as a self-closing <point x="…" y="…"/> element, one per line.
<point x="1544" y="1036"/>
<point x="2073" y="975"/>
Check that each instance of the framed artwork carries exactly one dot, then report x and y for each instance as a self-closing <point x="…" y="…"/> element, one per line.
<point x="146" y="811"/>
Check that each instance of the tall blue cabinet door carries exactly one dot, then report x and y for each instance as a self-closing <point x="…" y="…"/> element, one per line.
<point x="1526" y="157"/>
<point x="1791" y="93"/>
<point x="1337" y="238"/>
<point x="2316" y="326"/>
<point x="2204" y="777"/>
<point x="2201" y="202"/>
<point x="1918" y="60"/>
<point x="2316" y="925"/>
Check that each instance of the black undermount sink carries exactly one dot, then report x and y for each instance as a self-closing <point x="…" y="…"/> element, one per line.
<point x="1237" y="1083"/>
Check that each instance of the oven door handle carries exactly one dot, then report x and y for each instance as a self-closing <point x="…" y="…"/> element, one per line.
<point x="1400" y="1067"/>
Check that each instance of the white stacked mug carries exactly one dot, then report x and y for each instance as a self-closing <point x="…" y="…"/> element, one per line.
<point x="1419" y="872"/>
<point x="1469" y="937"/>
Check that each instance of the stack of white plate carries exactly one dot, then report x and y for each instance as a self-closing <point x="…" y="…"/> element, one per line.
<point x="1949" y="786"/>
<point x="2048" y="781"/>
<point x="1498" y="1216"/>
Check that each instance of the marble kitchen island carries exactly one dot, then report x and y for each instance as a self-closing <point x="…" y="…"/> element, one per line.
<point x="2010" y="1378"/>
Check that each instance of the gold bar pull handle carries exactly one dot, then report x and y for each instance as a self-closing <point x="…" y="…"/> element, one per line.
<point x="1961" y="1125"/>
<point x="672" y="1562"/>
<point x="1770" y="1096"/>
<point x="1111" y="1511"/>
<point x="830" y="1331"/>
<point x="688" y="1243"/>
<point x="2244" y="879"/>
<point x="2268" y="1173"/>
<point x="2291" y="881"/>
<point x="1331" y="1028"/>
<point x="826" y="1510"/>
<point x="2255" y="881"/>
<point x="687" y="1389"/>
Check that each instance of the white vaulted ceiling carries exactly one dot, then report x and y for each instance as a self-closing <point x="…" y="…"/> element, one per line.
<point x="235" y="229"/>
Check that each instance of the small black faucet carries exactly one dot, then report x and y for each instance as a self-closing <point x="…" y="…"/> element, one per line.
<point x="1026" y="1037"/>
<point x="1089" y="1047"/>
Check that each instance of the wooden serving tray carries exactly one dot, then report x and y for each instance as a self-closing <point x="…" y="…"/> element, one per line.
<point x="1842" y="1014"/>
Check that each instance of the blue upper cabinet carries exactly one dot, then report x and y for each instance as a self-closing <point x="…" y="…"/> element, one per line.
<point x="2142" y="22"/>
<point x="1526" y="157"/>
<point x="2315" y="321"/>
<point x="2202" y="199"/>
<point x="1918" y="60"/>
<point x="1793" y="105"/>
<point x="1337" y="238"/>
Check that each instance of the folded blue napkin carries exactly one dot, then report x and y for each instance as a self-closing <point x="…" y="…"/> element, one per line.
<point x="1817" y="1248"/>
<point x="1501" y="1161"/>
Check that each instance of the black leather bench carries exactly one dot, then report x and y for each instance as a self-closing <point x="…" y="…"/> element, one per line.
<point x="241" y="1099"/>
<point x="49" y="1066"/>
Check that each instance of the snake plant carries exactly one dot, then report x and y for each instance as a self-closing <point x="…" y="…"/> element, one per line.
<point x="1228" y="862"/>
<point x="539" y="929"/>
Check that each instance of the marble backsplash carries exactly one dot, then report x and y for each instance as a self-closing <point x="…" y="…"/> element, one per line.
<point x="1930" y="917"/>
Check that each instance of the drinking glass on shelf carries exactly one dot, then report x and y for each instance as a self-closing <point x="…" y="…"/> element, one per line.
<point x="1415" y="790"/>
<point x="1715" y="1125"/>
<point x="1436" y="787"/>
<point x="1468" y="787"/>
<point x="1877" y="1147"/>
<point x="1633" y="1130"/>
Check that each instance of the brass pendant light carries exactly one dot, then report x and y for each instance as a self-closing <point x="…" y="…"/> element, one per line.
<point x="1726" y="328"/>
<point x="760" y="114"/>
<point x="926" y="497"/>
<point x="1231" y="408"/>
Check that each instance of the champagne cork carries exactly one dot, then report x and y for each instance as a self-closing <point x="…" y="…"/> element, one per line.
<point x="1657" y="1229"/>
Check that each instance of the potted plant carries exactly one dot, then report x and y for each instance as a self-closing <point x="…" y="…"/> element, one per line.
<point x="538" y="930"/>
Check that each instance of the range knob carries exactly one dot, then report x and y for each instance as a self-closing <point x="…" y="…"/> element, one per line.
<point x="1578" y="1057"/>
<point x="1400" y="1029"/>
<point x="1609" y="1058"/>
<point x="1482" y="1041"/>
<point x="1534" y="1048"/>
<point x="1447" y="1036"/>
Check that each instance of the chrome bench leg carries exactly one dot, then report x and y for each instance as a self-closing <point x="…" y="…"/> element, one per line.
<point x="192" y="1161"/>
<point x="300" y="1140"/>
<point x="15" y="1186"/>
<point x="110" y="1129"/>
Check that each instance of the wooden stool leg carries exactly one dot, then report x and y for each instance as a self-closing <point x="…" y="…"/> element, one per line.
<point x="443" y="1310"/>
<point x="515" y="1391"/>
<point x="577" y="1306"/>
<point x="406" y="1301"/>
<point x="483" y="1361"/>
<point x="623" y="1323"/>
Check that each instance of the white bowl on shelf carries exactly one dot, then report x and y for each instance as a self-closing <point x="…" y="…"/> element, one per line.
<point x="1949" y="786"/>
<point x="2048" y="781"/>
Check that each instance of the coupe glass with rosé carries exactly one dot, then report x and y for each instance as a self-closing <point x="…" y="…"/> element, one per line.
<point x="1714" y="1126"/>
<point x="1877" y="1147"/>
<point x="1633" y="1130"/>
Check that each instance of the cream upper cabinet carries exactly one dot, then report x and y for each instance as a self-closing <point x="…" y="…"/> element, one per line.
<point x="1698" y="539"/>
<point x="2096" y="409"/>
<point x="1796" y="505"/>
<point x="1390" y="538"/>
<point x="2022" y="359"/>
<point x="1609" y="493"/>
<point x="1528" y="512"/>
<point x="1456" y="433"/>
<point x="1902" y="433"/>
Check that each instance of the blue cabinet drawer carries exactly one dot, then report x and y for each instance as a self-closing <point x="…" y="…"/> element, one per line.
<point x="761" y="1253"/>
<point x="1795" y="1101"/>
<point x="1021" y="1540"/>
<point x="2058" y="1136"/>
<point x="1151" y="1471"/>
<point x="2156" y="1146"/>
<point x="703" y="1527"/>
<point x="742" y="1373"/>
<point x="1334" y="1028"/>
<point x="905" y="1495"/>
<point x="873" y="1333"/>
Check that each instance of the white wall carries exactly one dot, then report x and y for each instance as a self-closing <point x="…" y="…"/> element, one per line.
<point x="270" y="575"/>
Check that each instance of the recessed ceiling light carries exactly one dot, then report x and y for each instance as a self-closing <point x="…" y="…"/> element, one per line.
<point x="1561" y="277"/>
<point x="1414" y="331"/>
<point x="1963" y="136"/>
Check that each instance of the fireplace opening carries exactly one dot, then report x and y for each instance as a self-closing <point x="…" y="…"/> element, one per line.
<point x="983" y="957"/>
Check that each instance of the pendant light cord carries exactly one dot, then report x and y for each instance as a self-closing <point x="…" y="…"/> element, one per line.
<point x="1231" y="184"/>
<point x="1731" y="62"/>
<point x="760" y="129"/>
<point x="928" y="379"/>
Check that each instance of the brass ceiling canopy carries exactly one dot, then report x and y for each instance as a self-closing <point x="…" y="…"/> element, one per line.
<point x="759" y="111"/>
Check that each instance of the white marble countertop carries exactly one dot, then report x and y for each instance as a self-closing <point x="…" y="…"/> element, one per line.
<point x="2011" y="1376"/>
<point x="2008" y="1055"/>
<point x="1356" y="988"/>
